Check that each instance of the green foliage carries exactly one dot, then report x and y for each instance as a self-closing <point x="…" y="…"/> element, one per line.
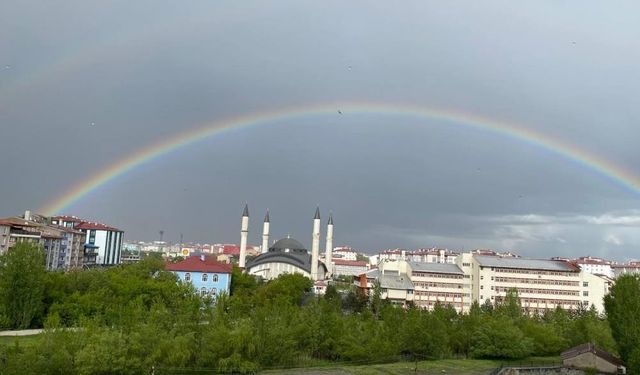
<point x="129" y="319"/>
<point x="499" y="337"/>
<point x="622" y="305"/>
<point x="22" y="274"/>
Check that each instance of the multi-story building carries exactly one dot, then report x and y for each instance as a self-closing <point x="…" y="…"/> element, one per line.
<point x="541" y="284"/>
<point x="103" y="243"/>
<point x="423" y="284"/>
<point x="34" y="229"/>
<point x="342" y="267"/>
<point x="207" y="276"/>
<point x="596" y="266"/>
<point x="432" y="255"/>
<point x="344" y="253"/>
<point x="625" y="268"/>
<point x="439" y="283"/>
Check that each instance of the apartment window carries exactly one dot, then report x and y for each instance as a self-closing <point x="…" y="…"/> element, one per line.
<point x="203" y="291"/>
<point x="466" y="264"/>
<point x="491" y="287"/>
<point x="481" y="277"/>
<point x="585" y="284"/>
<point x="205" y="277"/>
<point x="214" y="278"/>
<point x="214" y="291"/>
<point x="585" y="294"/>
<point x="481" y="286"/>
<point x="187" y="276"/>
<point x="491" y="278"/>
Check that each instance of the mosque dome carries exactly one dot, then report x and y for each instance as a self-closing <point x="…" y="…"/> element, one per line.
<point x="288" y="245"/>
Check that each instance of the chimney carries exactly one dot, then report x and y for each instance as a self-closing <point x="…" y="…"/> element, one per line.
<point x="27" y="215"/>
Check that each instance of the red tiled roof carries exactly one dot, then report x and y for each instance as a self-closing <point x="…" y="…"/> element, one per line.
<point x="196" y="264"/>
<point x="231" y="250"/>
<point x="96" y="226"/>
<point x="353" y="263"/>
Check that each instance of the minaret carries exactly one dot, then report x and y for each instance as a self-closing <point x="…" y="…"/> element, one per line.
<point x="315" y="245"/>
<point x="265" y="234"/>
<point x="328" y="252"/>
<point x="244" y="233"/>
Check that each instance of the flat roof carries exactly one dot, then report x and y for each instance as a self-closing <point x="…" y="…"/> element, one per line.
<point x="400" y="281"/>
<point x="436" y="267"/>
<point x="524" y="263"/>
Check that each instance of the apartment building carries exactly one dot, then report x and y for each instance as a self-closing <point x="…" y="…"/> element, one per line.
<point x="542" y="284"/>
<point x="103" y="243"/>
<point x="432" y="255"/>
<point x="439" y="283"/>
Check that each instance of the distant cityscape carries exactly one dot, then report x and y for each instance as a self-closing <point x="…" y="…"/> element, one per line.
<point x="422" y="277"/>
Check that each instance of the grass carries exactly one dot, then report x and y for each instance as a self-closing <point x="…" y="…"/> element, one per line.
<point x="25" y="341"/>
<point x="444" y="366"/>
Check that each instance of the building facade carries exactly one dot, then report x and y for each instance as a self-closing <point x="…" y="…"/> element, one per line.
<point x="541" y="284"/>
<point x="208" y="276"/>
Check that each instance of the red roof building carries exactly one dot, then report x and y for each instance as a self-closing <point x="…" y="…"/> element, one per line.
<point x="199" y="264"/>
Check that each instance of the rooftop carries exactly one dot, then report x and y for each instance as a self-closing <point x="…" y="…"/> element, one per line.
<point x="199" y="264"/>
<point x="436" y="267"/>
<point x="353" y="263"/>
<point x="524" y="263"/>
<point x="96" y="226"/>
<point x="400" y="281"/>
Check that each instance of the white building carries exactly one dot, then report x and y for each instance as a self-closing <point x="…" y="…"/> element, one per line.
<point x="542" y="284"/>
<point x="432" y="255"/>
<point x="343" y="267"/>
<point x="625" y="269"/>
<point x="345" y="253"/>
<point x="103" y="243"/>
<point x="596" y="266"/>
<point x="286" y="255"/>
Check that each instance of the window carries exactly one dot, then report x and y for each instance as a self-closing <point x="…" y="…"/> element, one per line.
<point x="203" y="291"/>
<point x="214" y="291"/>
<point x="187" y="276"/>
<point x="481" y="277"/>
<point x="585" y="294"/>
<point x="214" y="278"/>
<point x="585" y="284"/>
<point x="481" y="286"/>
<point x="205" y="277"/>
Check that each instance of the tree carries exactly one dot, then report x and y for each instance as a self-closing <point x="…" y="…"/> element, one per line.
<point x="622" y="305"/>
<point x="22" y="272"/>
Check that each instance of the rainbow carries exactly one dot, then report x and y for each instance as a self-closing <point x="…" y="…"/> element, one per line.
<point x="600" y="166"/>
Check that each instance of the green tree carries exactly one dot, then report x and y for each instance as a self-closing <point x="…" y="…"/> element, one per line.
<point x="622" y="305"/>
<point x="22" y="273"/>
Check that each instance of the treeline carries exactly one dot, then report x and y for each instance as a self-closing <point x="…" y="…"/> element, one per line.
<point x="135" y="318"/>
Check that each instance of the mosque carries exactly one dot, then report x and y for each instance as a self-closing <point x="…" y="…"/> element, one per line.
<point x="288" y="255"/>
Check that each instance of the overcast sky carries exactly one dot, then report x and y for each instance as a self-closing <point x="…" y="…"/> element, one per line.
<point x="84" y="84"/>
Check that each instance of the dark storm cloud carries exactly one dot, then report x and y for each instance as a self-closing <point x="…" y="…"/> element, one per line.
<point x="83" y="85"/>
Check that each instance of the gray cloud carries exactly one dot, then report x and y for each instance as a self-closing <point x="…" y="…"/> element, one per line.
<point x="144" y="72"/>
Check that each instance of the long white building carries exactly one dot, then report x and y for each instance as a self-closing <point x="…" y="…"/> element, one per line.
<point x="542" y="284"/>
